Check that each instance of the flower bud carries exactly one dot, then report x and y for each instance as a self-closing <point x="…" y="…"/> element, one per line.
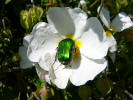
<point x="25" y="19"/>
<point x="33" y="17"/>
<point x="29" y="18"/>
<point x="6" y="33"/>
<point x="36" y="13"/>
<point x="83" y="5"/>
<point x="42" y="92"/>
<point x="15" y="58"/>
<point x="39" y="12"/>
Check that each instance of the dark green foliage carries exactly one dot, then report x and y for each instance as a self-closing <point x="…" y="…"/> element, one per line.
<point x="116" y="83"/>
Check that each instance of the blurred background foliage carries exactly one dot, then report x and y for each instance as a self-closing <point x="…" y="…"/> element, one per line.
<point x="17" y="18"/>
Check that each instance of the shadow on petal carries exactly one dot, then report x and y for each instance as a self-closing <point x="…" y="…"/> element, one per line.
<point x="61" y="19"/>
<point x="41" y="73"/>
<point x="76" y="62"/>
<point x="94" y="24"/>
<point x="99" y="61"/>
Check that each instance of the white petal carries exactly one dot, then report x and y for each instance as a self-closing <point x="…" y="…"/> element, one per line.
<point x="43" y="41"/>
<point x="113" y="47"/>
<point x="112" y="44"/>
<point x="47" y="78"/>
<point x="121" y="22"/>
<point x="42" y="29"/>
<point x="25" y="62"/>
<point x="62" y="76"/>
<point x="79" y="18"/>
<point x="88" y="70"/>
<point x="27" y="40"/>
<point x="47" y="60"/>
<point x="58" y="74"/>
<point x="37" y="26"/>
<point x="105" y="16"/>
<point x="61" y="20"/>
<point x="41" y="73"/>
<point x="113" y="57"/>
<point x="94" y="42"/>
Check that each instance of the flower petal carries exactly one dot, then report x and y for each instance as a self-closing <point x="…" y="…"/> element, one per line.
<point x="27" y="40"/>
<point x="43" y="41"/>
<point x="89" y="69"/>
<point x="121" y="22"/>
<point x="25" y="62"/>
<point x="79" y="18"/>
<point x="47" y="60"/>
<point x="37" y="26"/>
<point x="105" y="16"/>
<point x="94" y="40"/>
<point x="62" y="75"/>
<point x="95" y="43"/>
<point x="61" y="20"/>
<point x="42" y="29"/>
<point x="57" y="72"/>
<point x="41" y="73"/>
<point x="113" y="57"/>
<point x="112" y="44"/>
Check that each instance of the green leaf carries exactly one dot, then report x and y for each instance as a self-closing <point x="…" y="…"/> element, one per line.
<point x="104" y="86"/>
<point x="84" y="92"/>
<point x="7" y="1"/>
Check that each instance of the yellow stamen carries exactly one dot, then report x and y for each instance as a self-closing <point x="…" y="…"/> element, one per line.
<point x="108" y="33"/>
<point x="77" y="43"/>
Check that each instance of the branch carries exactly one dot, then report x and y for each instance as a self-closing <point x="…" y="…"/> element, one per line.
<point x="129" y="94"/>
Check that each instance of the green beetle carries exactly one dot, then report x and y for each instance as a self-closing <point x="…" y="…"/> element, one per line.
<point x="65" y="51"/>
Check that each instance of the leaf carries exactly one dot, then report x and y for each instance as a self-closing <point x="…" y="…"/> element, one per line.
<point x="7" y="1"/>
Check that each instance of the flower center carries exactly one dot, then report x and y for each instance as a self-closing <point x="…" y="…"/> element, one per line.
<point x="68" y="49"/>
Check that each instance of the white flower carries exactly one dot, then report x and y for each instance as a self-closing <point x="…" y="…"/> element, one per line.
<point x="118" y="24"/>
<point x="91" y="45"/>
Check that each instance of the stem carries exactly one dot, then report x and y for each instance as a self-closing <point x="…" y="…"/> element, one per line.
<point x="100" y="8"/>
<point x="32" y="1"/>
<point x="19" y="96"/>
<point x="3" y="22"/>
<point x="93" y="4"/>
<point x="65" y="95"/>
<point x="35" y="95"/>
<point x="129" y="94"/>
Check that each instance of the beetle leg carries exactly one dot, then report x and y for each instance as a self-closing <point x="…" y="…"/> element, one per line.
<point x="69" y="66"/>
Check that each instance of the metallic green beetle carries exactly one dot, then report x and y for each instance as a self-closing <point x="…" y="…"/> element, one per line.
<point x="65" y="51"/>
